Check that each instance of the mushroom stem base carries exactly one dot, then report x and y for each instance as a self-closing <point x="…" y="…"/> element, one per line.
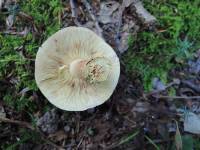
<point x="93" y="70"/>
<point x="76" y="68"/>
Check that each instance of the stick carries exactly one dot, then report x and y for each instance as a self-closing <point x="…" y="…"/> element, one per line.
<point x="178" y="97"/>
<point x="22" y="33"/>
<point x="191" y="85"/>
<point x="21" y="123"/>
<point x="158" y="91"/>
<point x="90" y="10"/>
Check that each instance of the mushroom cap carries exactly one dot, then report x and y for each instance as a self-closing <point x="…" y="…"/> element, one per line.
<point x="52" y="69"/>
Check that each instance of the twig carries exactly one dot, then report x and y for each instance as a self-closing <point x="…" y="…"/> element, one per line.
<point x="159" y="91"/>
<point x="29" y="19"/>
<point x="191" y="85"/>
<point x="22" y="33"/>
<point x="74" y="12"/>
<point x="21" y="123"/>
<point x="29" y="126"/>
<point x="25" y="16"/>
<point x="79" y="144"/>
<point x="91" y="13"/>
<point x="178" y="97"/>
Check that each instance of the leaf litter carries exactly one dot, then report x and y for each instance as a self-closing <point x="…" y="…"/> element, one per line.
<point x="129" y="109"/>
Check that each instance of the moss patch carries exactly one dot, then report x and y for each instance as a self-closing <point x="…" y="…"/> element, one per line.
<point x="17" y="53"/>
<point x="153" y="54"/>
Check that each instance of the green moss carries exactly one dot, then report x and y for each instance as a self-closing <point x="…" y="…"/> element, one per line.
<point x="17" y="53"/>
<point x="153" y="54"/>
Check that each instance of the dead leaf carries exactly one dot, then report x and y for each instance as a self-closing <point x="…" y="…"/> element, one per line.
<point x="106" y="14"/>
<point x="192" y="123"/>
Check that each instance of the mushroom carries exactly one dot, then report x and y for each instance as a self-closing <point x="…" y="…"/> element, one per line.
<point x="76" y="70"/>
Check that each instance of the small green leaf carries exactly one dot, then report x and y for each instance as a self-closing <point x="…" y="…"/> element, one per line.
<point x="178" y="138"/>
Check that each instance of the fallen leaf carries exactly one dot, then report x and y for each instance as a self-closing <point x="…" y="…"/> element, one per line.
<point x="192" y="123"/>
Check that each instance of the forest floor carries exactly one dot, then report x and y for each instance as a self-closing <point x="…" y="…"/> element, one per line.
<point x="156" y="104"/>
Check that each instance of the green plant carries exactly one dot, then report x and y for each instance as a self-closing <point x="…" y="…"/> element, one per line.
<point x="183" y="50"/>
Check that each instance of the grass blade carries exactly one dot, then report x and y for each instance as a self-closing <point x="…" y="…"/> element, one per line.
<point x="152" y="142"/>
<point x="130" y="137"/>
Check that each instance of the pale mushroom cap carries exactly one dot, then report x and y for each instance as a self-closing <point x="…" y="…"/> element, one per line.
<point x="52" y="69"/>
